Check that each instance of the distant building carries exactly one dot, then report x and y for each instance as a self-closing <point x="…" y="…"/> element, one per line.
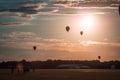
<point x="72" y="66"/>
<point x="112" y="66"/>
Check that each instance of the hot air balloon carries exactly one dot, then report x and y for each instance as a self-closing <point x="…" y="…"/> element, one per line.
<point x="81" y="32"/>
<point x="67" y="28"/>
<point x="34" y="47"/>
<point x="119" y="10"/>
<point x="99" y="57"/>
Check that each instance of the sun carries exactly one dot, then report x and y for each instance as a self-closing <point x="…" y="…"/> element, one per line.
<point x="87" y="22"/>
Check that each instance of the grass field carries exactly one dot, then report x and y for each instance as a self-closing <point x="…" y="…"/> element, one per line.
<point x="62" y="74"/>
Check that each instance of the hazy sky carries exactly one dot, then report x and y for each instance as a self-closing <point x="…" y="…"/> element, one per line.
<point x="43" y="25"/>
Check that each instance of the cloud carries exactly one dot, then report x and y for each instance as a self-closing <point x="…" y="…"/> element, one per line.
<point x="60" y="48"/>
<point x="53" y="40"/>
<point x="102" y="44"/>
<point x="61" y="5"/>
<point x="21" y="39"/>
<point x="22" y="15"/>
<point x="20" y="36"/>
<point x="17" y="15"/>
<point x="92" y="43"/>
<point x="28" y="10"/>
<point x="12" y="23"/>
<point x="65" y="47"/>
<point x="49" y="10"/>
<point x="25" y="40"/>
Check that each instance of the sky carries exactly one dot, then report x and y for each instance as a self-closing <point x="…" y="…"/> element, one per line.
<point x="28" y="23"/>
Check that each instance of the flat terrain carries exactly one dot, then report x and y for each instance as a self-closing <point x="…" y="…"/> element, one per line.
<point x="62" y="74"/>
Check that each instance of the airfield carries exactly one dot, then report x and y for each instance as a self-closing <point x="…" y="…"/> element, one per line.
<point x="62" y="74"/>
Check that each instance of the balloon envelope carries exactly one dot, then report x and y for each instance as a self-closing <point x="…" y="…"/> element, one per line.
<point x="81" y="32"/>
<point x="34" y="47"/>
<point x="99" y="57"/>
<point x="67" y="28"/>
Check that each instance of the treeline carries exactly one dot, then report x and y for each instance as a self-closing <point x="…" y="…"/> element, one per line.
<point x="64" y="64"/>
